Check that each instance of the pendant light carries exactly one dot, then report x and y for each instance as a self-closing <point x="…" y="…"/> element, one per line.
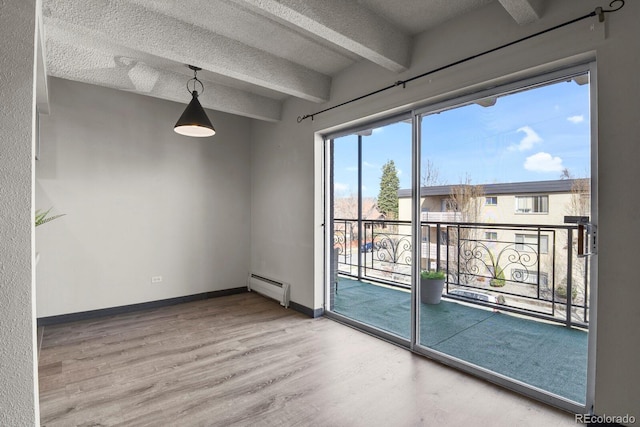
<point x="194" y="121"/>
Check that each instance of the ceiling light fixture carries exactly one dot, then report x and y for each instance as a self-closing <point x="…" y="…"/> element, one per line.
<point x="194" y="121"/>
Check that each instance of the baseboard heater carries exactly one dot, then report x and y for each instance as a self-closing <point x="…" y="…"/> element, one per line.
<point x="279" y="291"/>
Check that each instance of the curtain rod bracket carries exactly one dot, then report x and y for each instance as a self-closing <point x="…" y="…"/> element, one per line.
<point x="600" y="11"/>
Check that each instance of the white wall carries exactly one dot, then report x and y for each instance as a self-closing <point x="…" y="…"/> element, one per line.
<point x="18" y="392"/>
<point x="287" y="158"/>
<point x="282" y="230"/>
<point x="618" y="346"/>
<point x="140" y="201"/>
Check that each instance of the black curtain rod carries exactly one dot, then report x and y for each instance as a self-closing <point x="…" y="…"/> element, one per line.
<point x="597" y="12"/>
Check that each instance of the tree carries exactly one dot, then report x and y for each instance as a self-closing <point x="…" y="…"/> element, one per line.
<point x="580" y="202"/>
<point x="430" y="174"/>
<point x="389" y="186"/>
<point x="579" y="205"/>
<point x="467" y="199"/>
<point x="346" y="206"/>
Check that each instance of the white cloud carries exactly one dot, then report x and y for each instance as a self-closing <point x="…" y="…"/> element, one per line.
<point x="576" y="119"/>
<point x="543" y="162"/>
<point x="378" y="130"/>
<point x="399" y="172"/>
<point x="339" y="187"/>
<point x="364" y="165"/>
<point x="527" y="143"/>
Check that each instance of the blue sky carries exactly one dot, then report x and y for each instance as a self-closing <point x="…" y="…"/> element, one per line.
<point x="526" y="136"/>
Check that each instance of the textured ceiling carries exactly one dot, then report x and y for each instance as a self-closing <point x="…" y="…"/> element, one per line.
<point x="254" y="53"/>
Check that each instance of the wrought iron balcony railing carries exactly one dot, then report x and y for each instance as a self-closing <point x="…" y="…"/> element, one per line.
<point x="528" y="269"/>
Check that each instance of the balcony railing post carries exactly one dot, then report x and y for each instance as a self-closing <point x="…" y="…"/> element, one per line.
<point x="585" y="303"/>
<point x="448" y="258"/>
<point x="458" y="254"/>
<point x="362" y="252"/>
<point x="359" y="208"/>
<point x="438" y="229"/>
<point x="538" y="262"/>
<point x="569" y="275"/>
<point x="553" y="275"/>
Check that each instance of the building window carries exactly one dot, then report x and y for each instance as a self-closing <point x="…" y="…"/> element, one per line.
<point x="529" y="243"/>
<point x="491" y="235"/>
<point x="491" y="201"/>
<point x="530" y="277"/>
<point x="532" y="204"/>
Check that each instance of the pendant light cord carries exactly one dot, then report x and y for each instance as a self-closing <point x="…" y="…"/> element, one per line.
<point x="195" y="80"/>
<point x="599" y="12"/>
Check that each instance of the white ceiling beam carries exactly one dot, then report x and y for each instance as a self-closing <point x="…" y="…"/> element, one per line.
<point x="86" y="63"/>
<point x="345" y="24"/>
<point x="523" y="11"/>
<point x="137" y="28"/>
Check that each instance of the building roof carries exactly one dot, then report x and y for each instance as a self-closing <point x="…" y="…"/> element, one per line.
<point x="529" y="187"/>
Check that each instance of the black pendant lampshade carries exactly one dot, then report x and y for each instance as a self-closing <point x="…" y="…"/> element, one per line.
<point x="194" y="121"/>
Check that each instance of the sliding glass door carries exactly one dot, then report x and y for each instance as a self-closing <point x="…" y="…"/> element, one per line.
<point x="371" y="254"/>
<point x="461" y="230"/>
<point x="495" y="194"/>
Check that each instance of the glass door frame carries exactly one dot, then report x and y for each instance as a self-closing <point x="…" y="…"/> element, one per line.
<point x="328" y="195"/>
<point x="413" y="344"/>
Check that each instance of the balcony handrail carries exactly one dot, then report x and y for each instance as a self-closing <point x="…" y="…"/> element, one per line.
<point x="378" y="260"/>
<point x="470" y="224"/>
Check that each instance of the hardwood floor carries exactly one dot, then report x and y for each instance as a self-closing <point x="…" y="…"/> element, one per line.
<point x="243" y="360"/>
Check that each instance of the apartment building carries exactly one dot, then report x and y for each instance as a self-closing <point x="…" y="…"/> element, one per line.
<point x="521" y="220"/>
<point x="533" y="202"/>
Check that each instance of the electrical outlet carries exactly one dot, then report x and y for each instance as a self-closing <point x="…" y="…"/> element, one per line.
<point x="156" y="279"/>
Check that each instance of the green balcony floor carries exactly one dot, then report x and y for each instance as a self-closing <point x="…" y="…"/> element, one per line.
<point x="548" y="356"/>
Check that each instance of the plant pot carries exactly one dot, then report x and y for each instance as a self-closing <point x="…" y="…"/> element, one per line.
<point x="431" y="290"/>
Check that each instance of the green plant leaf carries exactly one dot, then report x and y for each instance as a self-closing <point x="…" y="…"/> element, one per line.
<point x="432" y="274"/>
<point x="41" y="217"/>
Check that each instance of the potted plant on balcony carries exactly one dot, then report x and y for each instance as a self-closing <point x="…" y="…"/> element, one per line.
<point x="498" y="280"/>
<point x="431" y="285"/>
